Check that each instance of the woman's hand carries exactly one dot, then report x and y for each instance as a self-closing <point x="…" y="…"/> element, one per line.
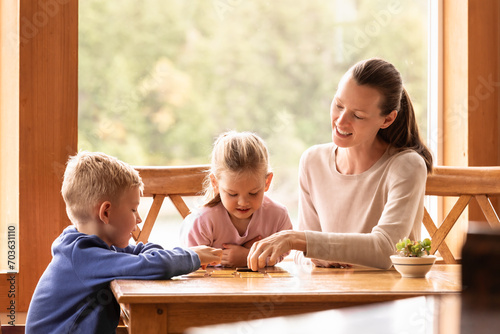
<point x="268" y="250"/>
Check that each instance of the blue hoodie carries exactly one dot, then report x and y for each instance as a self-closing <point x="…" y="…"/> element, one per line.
<point x="73" y="294"/>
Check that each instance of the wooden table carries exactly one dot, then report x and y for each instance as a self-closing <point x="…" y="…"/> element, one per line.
<point x="174" y="305"/>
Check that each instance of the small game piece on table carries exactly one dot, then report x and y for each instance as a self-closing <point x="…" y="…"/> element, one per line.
<point x="222" y="272"/>
<point x="252" y="274"/>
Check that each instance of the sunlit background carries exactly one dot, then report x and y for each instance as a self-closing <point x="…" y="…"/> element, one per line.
<point x="160" y="79"/>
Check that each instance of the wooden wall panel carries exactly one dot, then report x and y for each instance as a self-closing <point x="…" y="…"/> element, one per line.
<point x="471" y="87"/>
<point x="455" y="73"/>
<point x="455" y="127"/>
<point x="9" y="135"/>
<point x="48" y="130"/>
<point x="483" y="88"/>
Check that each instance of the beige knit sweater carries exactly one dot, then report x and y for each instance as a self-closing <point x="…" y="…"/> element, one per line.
<point x="358" y="219"/>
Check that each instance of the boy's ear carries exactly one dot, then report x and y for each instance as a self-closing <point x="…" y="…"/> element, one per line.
<point x="269" y="178"/>
<point x="213" y="181"/>
<point x="104" y="210"/>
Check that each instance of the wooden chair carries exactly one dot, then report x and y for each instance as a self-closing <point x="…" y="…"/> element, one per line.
<point x="462" y="182"/>
<point x="465" y="183"/>
<point x="172" y="182"/>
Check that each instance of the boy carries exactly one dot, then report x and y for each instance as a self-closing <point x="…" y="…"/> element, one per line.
<point x="73" y="295"/>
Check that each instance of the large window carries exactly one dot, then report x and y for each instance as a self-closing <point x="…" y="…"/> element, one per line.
<point x="159" y="80"/>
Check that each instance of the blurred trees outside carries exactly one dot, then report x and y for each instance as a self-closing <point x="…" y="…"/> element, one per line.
<point x="160" y="79"/>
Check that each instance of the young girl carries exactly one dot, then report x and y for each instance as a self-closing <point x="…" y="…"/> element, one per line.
<point x="236" y="212"/>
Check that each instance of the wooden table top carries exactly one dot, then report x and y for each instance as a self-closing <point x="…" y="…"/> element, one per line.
<point x="289" y="282"/>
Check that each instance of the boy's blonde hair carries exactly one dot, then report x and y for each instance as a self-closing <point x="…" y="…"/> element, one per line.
<point x="236" y="152"/>
<point x="93" y="177"/>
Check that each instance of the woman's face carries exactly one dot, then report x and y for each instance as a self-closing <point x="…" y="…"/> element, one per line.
<point x="355" y="114"/>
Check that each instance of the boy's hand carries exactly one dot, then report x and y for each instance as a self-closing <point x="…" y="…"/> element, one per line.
<point x="208" y="255"/>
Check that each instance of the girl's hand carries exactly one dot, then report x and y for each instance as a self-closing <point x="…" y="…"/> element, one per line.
<point x="250" y="243"/>
<point x="208" y="255"/>
<point x="234" y="255"/>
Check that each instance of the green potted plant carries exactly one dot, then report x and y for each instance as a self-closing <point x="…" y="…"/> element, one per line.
<point x="413" y="258"/>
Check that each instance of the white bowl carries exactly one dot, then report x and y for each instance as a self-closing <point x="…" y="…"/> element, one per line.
<point x="413" y="266"/>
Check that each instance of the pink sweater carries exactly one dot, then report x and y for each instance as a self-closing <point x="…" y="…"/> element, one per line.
<point x="213" y="227"/>
<point x="363" y="215"/>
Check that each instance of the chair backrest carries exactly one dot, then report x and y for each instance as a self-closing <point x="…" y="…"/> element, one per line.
<point x="172" y="182"/>
<point x="465" y="183"/>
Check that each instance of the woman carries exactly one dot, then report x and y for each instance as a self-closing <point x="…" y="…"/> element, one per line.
<point x="362" y="193"/>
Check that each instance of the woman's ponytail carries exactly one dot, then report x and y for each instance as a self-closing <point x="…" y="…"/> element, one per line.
<point x="403" y="133"/>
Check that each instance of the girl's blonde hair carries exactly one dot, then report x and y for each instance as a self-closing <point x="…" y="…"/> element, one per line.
<point x="236" y="152"/>
<point x="92" y="177"/>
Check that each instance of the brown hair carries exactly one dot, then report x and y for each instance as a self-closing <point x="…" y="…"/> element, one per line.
<point x="91" y="177"/>
<point x="403" y="132"/>
<point x="236" y="152"/>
